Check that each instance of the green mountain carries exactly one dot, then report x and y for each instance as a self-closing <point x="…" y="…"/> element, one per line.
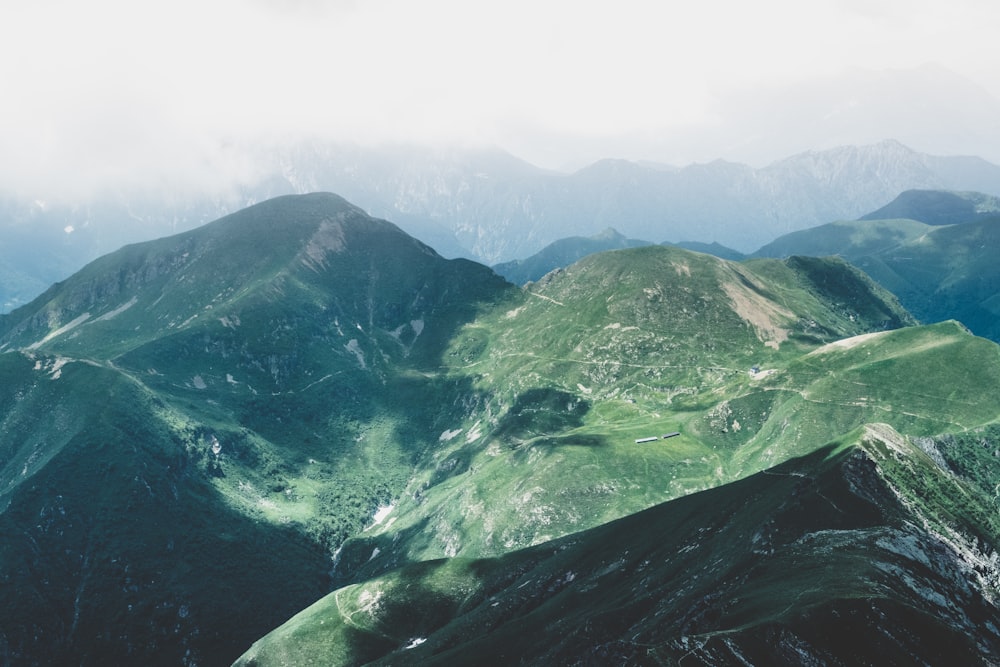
<point x="560" y="254"/>
<point x="938" y="207"/>
<point x="224" y="407"/>
<point x="832" y="558"/>
<point x="848" y="239"/>
<point x="204" y="434"/>
<point x="938" y="271"/>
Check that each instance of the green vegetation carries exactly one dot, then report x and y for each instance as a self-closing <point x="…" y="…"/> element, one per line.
<point x="941" y="268"/>
<point x="299" y="399"/>
<point x="818" y="560"/>
<point x="562" y="253"/>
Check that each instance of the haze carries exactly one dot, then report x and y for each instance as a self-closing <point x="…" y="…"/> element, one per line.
<point x="114" y="94"/>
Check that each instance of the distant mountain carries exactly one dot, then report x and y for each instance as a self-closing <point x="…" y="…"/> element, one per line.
<point x="938" y="270"/>
<point x="493" y="207"/>
<point x="202" y="435"/>
<point x="716" y="249"/>
<point x="851" y="239"/>
<point x="562" y="253"/>
<point x="937" y="207"/>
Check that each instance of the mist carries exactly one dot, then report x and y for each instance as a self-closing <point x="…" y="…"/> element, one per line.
<point x="186" y="97"/>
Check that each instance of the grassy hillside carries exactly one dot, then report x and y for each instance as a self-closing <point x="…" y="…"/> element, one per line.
<point x="938" y="273"/>
<point x="825" y="559"/>
<point x="301" y="383"/>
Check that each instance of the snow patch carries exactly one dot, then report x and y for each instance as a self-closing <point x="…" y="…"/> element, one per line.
<point x="414" y="643"/>
<point x="448" y="435"/>
<point x="198" y="382"/>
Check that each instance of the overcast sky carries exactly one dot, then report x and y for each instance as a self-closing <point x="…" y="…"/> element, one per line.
<point x="125" y="91"/>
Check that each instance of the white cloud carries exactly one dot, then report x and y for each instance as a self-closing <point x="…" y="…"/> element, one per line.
<point x="116" y="91"/>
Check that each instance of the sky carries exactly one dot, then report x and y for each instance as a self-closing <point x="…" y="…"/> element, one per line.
<point x="168" y="94"/>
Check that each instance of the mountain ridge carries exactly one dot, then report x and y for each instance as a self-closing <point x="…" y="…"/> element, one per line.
<point x="617" y="593"/>
<point x="492" y="207"/>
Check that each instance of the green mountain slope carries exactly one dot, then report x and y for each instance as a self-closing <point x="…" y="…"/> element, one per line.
<point x="832" y="558"/>
<point x="938" y="272"/>
<point x="242" y="394"/>
<point x="301" y="382"/>
<point x="848" y="239"/>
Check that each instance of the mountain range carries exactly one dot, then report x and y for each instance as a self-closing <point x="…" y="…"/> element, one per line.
<point x="299" y="434"/>
<point x="493" y="207"/>
<point x="939" y="259"/>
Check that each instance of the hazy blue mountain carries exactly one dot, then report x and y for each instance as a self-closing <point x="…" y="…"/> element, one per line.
<point x="938" y="207"/>
<point x="562" y="253"/>
<point x="492" y="207"/>
<point x="716" y="249"/>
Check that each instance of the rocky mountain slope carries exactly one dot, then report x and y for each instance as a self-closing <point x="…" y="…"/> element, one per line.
<point x="297" y="397"/>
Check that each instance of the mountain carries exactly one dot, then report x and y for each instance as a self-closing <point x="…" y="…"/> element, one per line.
<point x="562" y="253"/>
<point x="937" y="207"/>
<point x="490" y="206"/>
<point x="202" y="435"/>
<point x="191" y="426"/>
<point x="938" y="269"/>
<point x="850" y="239"/>
<point x="831" y="558"/>
<point x="713" y="248"/>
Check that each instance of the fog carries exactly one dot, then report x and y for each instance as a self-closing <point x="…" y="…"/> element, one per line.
<point x="184" y="95"/>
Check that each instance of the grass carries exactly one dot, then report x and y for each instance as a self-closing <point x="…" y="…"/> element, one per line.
<point x="491" y="419"/>
<point x="745" y="569"/>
